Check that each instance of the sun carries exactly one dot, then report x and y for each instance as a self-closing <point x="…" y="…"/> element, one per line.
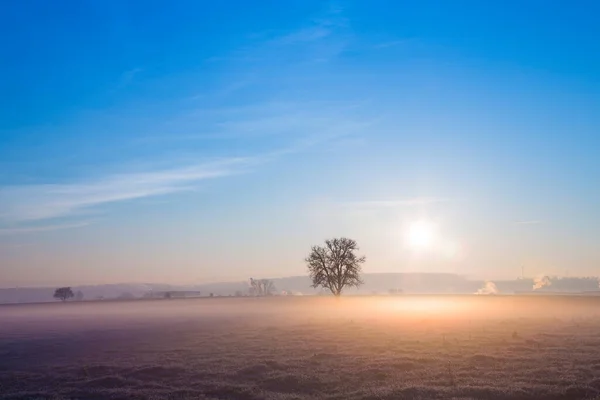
<point x="421" y="234"/>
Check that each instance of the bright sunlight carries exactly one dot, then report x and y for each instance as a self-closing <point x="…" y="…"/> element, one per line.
<point x="421" y="234"/>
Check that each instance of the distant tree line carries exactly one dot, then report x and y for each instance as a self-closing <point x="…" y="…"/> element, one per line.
<point x="66" y="293"/>
<point x="334" y="267"/>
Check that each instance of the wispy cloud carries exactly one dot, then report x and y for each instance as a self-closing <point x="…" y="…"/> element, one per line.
<point x="44" y="228"/>
<point x="226" y="90"/>
<point x="291" y="121"/>
<point x="128" y="76"/>
<point x="40" y="202"/>
<point x="320" y="38"/>
<point x="412" y="202"/>
<point x="304" y="35"/>
<point x="392" y="43"/>
<point x="529" y="222"/>
<point x="297" y="126"/>
<point x="22" y="203"/>
<point x="271" y="60"/>
<point x="326" y="208"/>
<point x="327" y="24"/>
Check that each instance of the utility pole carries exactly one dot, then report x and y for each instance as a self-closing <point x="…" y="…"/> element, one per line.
<point x="522" y="272"/>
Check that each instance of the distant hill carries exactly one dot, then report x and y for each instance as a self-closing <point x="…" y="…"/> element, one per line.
<point x="382" y="283"/>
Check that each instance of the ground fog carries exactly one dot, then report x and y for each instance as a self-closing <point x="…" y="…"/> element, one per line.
<point x="405" y="347"/>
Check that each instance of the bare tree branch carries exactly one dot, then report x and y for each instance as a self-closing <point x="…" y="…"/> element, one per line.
<point x="335" y="265"/>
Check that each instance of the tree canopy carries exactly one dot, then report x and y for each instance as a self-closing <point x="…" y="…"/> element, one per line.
<point x="63" y="293"/>
<point x="336" y="265"/>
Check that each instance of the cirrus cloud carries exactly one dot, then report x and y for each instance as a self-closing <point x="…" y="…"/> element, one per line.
<point x="46" y="201"/>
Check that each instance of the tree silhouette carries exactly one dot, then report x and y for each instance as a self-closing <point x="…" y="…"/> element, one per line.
<point x="63" y="293"/>
<point x="79" y="295"/>
<point x="335" y="265"/>
<point x="262" y="287"/>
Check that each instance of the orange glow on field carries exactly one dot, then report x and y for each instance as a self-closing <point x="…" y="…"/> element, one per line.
<point x="427" y="305"/>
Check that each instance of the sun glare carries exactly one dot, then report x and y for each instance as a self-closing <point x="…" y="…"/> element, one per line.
<point x="421" y="234"/>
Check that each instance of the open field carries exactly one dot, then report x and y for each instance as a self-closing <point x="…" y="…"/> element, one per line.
<point x="409" y="347"/>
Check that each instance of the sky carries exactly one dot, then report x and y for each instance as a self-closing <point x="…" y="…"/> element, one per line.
<point x="193" y="141"/>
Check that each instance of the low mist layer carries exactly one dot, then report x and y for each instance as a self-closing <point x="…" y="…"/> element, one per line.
<point x="417" y="347"/>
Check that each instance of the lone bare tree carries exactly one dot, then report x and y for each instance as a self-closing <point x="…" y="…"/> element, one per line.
<point x="63" y="293"/>
<point x="335" y="265"/>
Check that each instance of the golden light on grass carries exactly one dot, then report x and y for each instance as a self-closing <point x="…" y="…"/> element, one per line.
<point x="427" y="305"/>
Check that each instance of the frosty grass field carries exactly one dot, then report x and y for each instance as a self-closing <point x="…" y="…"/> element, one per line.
<point x="406" y="347"/>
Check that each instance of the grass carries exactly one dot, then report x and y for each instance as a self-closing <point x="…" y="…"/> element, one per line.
<point x="411" y="347"/>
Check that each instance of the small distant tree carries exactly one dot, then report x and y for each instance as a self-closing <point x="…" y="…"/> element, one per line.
<point x="268" y="286"/>
<point x="168" y="295"/>
<point x="335" y="266"/>
<point x="63" y="293"/>
<point x="262" y="287"/>
<point x="79" y="295"/>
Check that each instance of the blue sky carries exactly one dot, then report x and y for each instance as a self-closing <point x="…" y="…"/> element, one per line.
<point x="197" y="141"/>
